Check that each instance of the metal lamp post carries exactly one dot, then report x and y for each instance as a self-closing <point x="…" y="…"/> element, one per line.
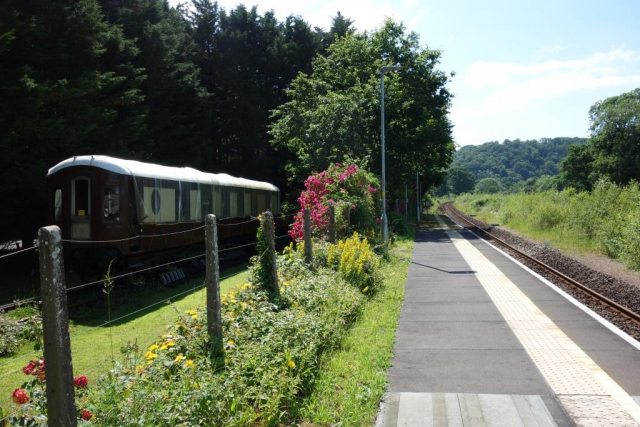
<point x="385" y="225"/>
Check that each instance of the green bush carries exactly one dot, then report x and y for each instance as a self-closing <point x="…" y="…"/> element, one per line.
<point x="607" y="219"/>
<point x="397" y="224"/>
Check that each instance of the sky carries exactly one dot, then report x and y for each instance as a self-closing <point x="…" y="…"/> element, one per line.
<point x="523" y="69"/>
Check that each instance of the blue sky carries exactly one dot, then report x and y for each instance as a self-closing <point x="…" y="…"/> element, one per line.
<point x="524" y="69"/>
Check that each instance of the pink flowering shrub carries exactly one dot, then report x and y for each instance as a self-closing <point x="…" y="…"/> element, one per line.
<point x="349" y="189"/>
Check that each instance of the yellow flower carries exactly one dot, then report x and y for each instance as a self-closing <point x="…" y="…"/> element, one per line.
<point x="179" y="358"/>
<point x="191" y="312"/>
<point x="365" y="289"/>
<point x="243" y="304"/>
<point x="171" y="343"/>
<point x="291" y="364"/>
<point x="189" y="363"/>
<point x="149" y="355"/>
<point x="230" y="342"/>
<point x="164" y="347"/>
<point x="153" y="347"/>
<point x="194" y="317"/>
<point x="295" y="304"/>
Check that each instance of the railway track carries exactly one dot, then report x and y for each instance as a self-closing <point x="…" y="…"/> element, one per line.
<point x="614" y="306"/>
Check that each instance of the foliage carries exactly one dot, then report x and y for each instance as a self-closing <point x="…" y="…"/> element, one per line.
<point x="460" y="180"/>
<point x="333" y="112"/>
<point x="605" y="220"/>
<point x="488" y="186"/>
<point x="513" y="161"/>
<point x="356" y="262"/>
<point x="347" y="187"/>
<point x="398" y="224"/>
<point x="271" y="352"/>
<point x="30" y="399"/>
<point x="14" y="332"/>
<point x="613" y="150"/>
<point x="262" y="268"/>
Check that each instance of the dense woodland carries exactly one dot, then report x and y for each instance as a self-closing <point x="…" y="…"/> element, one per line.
<point x="214" y="89"/>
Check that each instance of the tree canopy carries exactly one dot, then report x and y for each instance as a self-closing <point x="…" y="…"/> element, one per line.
<point x="513" y="161"/>
<point x="334" y="112"/>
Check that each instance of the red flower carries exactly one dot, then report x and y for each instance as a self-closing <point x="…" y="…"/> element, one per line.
<point x="20" y="396"/>
<point x="86" y="415"/>
<point x="377" y="220"/>
<point x="28" y="370"/>
<point x="80" y="382"/>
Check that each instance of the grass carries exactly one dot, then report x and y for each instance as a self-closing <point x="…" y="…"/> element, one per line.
<point x="353" y="377"/>
<point x="92" y="347"/>
<point x="557" y="237"/>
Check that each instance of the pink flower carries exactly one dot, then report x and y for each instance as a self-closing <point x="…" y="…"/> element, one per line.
<point x="20" y="396"/>
<point x="86" y="415"/>
<point x="338" y="164"/>
<point x="377" y="220"/>
<point x="353" y="207"/>
<point x="80" y="382"/>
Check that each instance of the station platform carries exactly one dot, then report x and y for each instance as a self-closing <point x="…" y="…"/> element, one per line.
<point x="484" y="341"/>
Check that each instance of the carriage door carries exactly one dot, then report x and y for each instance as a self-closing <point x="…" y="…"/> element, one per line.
<point x="80" y="209"/>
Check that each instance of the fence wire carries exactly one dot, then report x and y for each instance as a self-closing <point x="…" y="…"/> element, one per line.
<point x="19" y="251"/>
<point x="148" y="236"/>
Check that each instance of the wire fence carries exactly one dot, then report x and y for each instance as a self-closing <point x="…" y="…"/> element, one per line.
<point x="18" y="251"/>
<point x="135" y="237"/>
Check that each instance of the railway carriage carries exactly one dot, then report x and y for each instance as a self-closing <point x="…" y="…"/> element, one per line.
<point x="142" y="213"/>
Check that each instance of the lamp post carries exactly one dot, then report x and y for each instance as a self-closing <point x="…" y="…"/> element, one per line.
<point x="385" y="225"/>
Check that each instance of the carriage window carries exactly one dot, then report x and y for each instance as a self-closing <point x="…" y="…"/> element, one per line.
<point x="81" y="197"/>
<point x="233" y="203"/>
<point x="111" y="204"/>
<point x="207" y="199"/>
<point x="57" y="205"/>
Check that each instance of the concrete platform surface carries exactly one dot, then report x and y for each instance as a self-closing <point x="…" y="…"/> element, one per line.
<point x="482" y="341"/>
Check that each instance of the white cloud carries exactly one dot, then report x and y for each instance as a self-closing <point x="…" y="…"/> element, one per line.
<point x="550" y="50"/>
<point x="512" y="87"/>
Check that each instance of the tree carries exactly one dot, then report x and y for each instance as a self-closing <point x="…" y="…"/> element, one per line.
<point x="488" y="186"/>
<point x="340" y="26"/>
<point x="67" y="86"/>
<point x="615" y="137"/>
<point x="577" y="168"/>
<point x="460" y="180"/>
<point x="334" y="112"/>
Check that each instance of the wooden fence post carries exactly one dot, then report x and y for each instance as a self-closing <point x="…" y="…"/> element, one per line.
<point x="212" y="281"/>
<point x="308" y="249"/>
<point x="61" y="402"/>
<point x="269" y="231"/>
<point x="332" y="224"/>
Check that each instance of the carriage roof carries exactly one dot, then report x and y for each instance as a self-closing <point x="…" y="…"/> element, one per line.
<point x="149" y="170"/>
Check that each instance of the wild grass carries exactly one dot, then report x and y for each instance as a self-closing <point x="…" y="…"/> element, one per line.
<point x="605" y="221"/>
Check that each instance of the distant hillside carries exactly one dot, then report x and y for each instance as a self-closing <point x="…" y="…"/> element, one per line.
<point x="516" y="160"/>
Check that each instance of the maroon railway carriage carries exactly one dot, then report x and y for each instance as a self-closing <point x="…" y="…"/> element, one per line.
<point x="145" y="214"/>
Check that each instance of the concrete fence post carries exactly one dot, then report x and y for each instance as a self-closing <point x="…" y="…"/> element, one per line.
<point x="212" y="281"/>
<point x="61" y="402"/>
<point x="332" y="224"/>
<point x="308" y="249"/>
<point x="268" y="228"/>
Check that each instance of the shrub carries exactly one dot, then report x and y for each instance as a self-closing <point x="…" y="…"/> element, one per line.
<point x="397" y="224"/>
<point x="350" y="189"/>
<point x="15" y="331"/>
<point x="356" y="262"/>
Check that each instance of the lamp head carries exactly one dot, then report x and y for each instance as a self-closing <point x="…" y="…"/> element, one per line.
<point x="387" y="68"/>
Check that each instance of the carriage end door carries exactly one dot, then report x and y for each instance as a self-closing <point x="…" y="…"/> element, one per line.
<point x="81" y="209"/>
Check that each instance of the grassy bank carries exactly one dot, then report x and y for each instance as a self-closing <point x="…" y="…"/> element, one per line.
<point x="353" y="377"/>
<point x="606" y="221"/>
<point x="92" y="346"/>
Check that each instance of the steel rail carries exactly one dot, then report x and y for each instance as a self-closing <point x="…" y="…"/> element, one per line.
<point x="448" y="208"/>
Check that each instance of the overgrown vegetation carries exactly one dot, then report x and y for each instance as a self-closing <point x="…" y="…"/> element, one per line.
<point x="19" y="326"/>
<point x="605" y="220"/>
